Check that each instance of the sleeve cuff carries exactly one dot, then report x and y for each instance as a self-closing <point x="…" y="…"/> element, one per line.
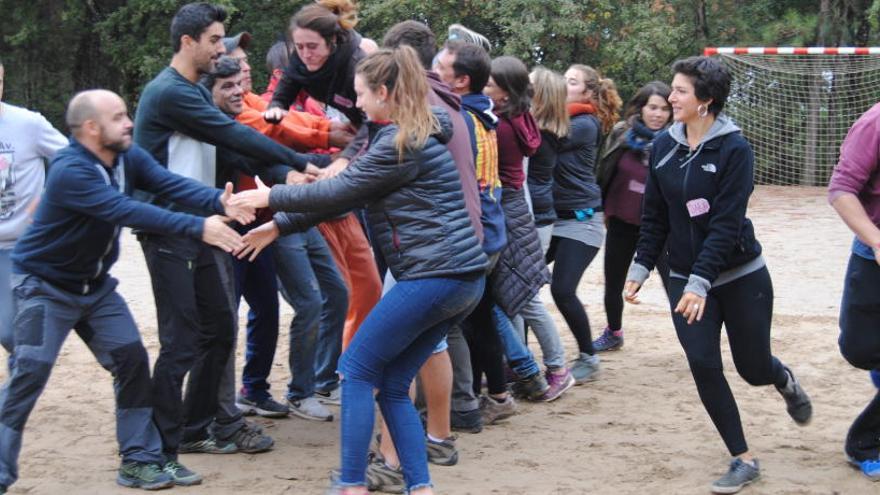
<point x="698" y="285"/>
<point x="638" y="273"/>
<point x="282" y="221"/>
<point x="218" y="205"/>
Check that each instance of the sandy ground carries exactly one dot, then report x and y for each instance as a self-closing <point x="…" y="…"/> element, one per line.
<point x="639" y="429"/>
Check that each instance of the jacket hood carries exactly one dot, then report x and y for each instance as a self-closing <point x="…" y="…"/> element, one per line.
<point x="481" y="106"/>
<point x="443" y="91"/>
<point x="527" y="133"/>
<point x="723" y="125"/>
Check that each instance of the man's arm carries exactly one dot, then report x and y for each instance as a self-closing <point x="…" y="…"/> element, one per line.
<point x="151" y="177"/>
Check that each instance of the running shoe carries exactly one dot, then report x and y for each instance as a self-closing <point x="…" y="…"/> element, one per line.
<point x="875" y="377"/>
<point x="331" y="398"/>
<point x="181" y="475"/>
<point x="739" y="475"/>
<point x="493" y="411"/>
<point x="797" y="402"/>
<point x="210" y="445"/>
<point x="384" y="478"/>
<point x="466" y="421"/>
<point x="266" y="408"/>
<point x="310" y="408"/>
<point x="145" y="475"/>
<point x="868" y="467"/>
<point x="559" y="383"/>
<point x="531" y="387"/>
<point x="250" y="439"/>
<point x="610" y="340"/>
<point x="442" y="453"/>
<point x="585" y="368"/>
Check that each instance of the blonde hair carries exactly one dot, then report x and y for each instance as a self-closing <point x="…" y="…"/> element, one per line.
<point x="605" y="97"/>
<point x="548" y="103"/>
<point x="401" y="72"/>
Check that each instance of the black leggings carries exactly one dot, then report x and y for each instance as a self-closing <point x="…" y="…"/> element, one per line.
<point x="745" y="307"/>
<point x="571" y="259"/>
<point x="860" y="344"/>
<point x="487" y="354"/>
<point x="620" y="246"/>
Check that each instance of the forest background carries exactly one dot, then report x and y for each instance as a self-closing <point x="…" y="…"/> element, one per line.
<point x="53" y="48"/>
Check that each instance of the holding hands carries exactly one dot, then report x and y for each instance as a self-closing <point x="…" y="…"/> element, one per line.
<point x="242" y="214"/>
<point x="252" y="198"/>
<point x="256" y="240"/>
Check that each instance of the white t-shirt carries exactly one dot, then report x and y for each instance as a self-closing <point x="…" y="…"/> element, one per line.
<point x="26" y="139"/>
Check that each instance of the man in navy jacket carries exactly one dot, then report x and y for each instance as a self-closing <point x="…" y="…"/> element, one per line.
<point x="61" y="282"/>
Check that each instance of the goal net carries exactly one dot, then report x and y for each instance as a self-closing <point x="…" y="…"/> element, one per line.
<point x="795" y="105"/>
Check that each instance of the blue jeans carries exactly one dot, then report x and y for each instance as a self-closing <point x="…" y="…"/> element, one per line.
<point x="311" y="284"/>
<point x="256" y="281"/>
<point x="386" y="353"/>
<point x="7" y="305"/>
<point x="519" y="357"/>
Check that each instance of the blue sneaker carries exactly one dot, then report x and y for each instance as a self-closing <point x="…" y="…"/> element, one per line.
<point x="739" y="475"/>
<point x="875" y="377"/>
<point x="610" y="340"/>
<point x="870" y="467"/>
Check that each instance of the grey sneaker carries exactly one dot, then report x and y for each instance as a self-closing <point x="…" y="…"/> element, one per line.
<point x="531" y="387"/>
<point x="493" y="410"/>
<point x="250" y="439"/>
<point x="442" y="453"/>
<point x="382" y="478"/>
<point x="585" y="368"/>
<point x="310" y="408"/>
<point x="210" y="445"/>
<point x="797" y="402"/>
<point x="740" y="474"/>
<point x="145" y="475"/>
<point x="331" y="398"/>
<point x="181" y="475"/>
<point x="267" y="408"/>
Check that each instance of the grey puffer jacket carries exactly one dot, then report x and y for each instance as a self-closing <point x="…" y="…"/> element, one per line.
<point x="415" y="207"/>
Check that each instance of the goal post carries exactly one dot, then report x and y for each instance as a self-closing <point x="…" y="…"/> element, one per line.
<point x="795" y="105"/>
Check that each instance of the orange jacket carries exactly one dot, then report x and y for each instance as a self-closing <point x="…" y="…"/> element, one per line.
<point x="298" y="130"/>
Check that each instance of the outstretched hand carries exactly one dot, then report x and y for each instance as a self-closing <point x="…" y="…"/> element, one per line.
<point x="216" y="233"/>
<point x="242" y="214"/>
<point x="334" y="168"/>
<point x="274" y="115"/>
<point x="257" y="239"/>
<point x="252" y="198"/>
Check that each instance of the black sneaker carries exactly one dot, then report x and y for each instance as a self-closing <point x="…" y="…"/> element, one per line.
<point x="250" y="439"/>
<point x="267" y="408"/>
<point x="181" y="475"/>
<point x="467" y="421"/>
<point x="531" y="387"/>
<point x="145" y="475"/>
<point x="797" y="402"/>
<point x="739" y="475"/>
<point x="210" y="445"/>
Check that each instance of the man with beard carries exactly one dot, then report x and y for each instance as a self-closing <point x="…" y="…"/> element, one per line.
<point x="61" y="281"/>
<point x="179" y="125"/>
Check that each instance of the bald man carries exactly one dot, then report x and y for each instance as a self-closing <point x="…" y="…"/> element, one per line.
<point x="60" y="278"/>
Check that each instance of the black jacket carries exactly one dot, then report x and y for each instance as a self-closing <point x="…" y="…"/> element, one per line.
<point x="696" y="202"/>
<point x="415" y="208"/>
<point x="541" y="166"/>
<point x="574" y="180"/>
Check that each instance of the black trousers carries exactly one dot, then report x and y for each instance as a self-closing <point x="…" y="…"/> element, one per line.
<point x="745" y="307"/>
<point x="196" y="332"/>
<point x="860" y="344"/>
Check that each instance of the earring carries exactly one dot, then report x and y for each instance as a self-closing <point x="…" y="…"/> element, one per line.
<point x="381" y="103"/>
<point x="702" y="110"/>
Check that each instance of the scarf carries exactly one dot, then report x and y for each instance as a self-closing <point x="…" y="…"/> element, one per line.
<point x="580" y="108"/>
<point x="639" y="136"/>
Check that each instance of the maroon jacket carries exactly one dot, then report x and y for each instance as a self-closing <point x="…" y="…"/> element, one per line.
<point x="518" y="137"/>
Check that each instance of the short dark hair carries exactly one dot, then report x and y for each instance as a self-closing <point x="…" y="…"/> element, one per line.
<point x="640" y="99"/>
<point x="512" y="75"/>
<point x="710" y="78"/>
<point x="193" y="19"/>
<point x="470" y="60"/>
<point x="416" y="35"/>
<point x="225" y="67"/>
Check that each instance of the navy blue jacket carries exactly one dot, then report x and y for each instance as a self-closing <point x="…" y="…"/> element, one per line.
<point x="696" y="201"/>
<point x="74" y="238"/>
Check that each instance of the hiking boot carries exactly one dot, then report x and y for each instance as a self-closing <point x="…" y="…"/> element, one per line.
<point x="740" y="474"/>
<point x="493" y="411"/>
<point x="585" y="368"/>
<point x="383" y="478"/>
<point x="558" y="384"/>
<point x="466" y="421"/>
<point x="610" y="340"/>
<point x="797" y="402"/>
<point x="250" y="439"/>
<point x="331" y="398"/>
<point x="310" y="408"/>
<point x="442" y="453"/>
<point x="210" y="445"/>
<point x="181" y="474"/>
<point x="266" y="408"/>
<point x="146" y="475"/>
<point x="531" y="387"/>
<point x="869" y="467"/>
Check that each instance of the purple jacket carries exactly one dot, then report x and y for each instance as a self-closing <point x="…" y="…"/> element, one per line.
<point x="857" y="171"/>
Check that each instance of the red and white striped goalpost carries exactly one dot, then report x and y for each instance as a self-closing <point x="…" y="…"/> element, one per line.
<point x="791" y="50"/>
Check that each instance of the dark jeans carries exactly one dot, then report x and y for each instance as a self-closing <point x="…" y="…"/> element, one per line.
<point x="745" y="308"/>
<point x="196" y="331"/>
<point x="487" y="352"/>
<point x="570" y="260"/>
<point x="311" y="284"/>
<point x="258" y="283"/>
<point x="860" y="344"/>
<point x="386" y="353"/>
<point x="621" y="239"/>
<point x="45" y="317"/>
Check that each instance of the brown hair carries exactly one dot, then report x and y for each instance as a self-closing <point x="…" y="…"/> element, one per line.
<point x="332" y="19"/>
<point x="512" y="75"/>
<point x="401" y="72"/>
<point x="605" y="96"/>
<point x="548" y="104"/>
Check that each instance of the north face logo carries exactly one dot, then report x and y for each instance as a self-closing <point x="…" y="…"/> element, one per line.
<point x="710" y="167"/>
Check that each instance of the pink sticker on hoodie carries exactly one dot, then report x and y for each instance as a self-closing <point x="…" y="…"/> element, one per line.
<point x="697" y="207"/>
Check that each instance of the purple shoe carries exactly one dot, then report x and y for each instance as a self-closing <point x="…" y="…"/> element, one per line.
<point x="610" y="340"/>
<point x="558" y="384"/>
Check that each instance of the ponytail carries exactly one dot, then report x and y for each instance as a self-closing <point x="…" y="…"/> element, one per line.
<point x="401" y="72"/>
<point x="332" y="19"/>
<point x="605" y="97"/>
<point x="345" y="10"/>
